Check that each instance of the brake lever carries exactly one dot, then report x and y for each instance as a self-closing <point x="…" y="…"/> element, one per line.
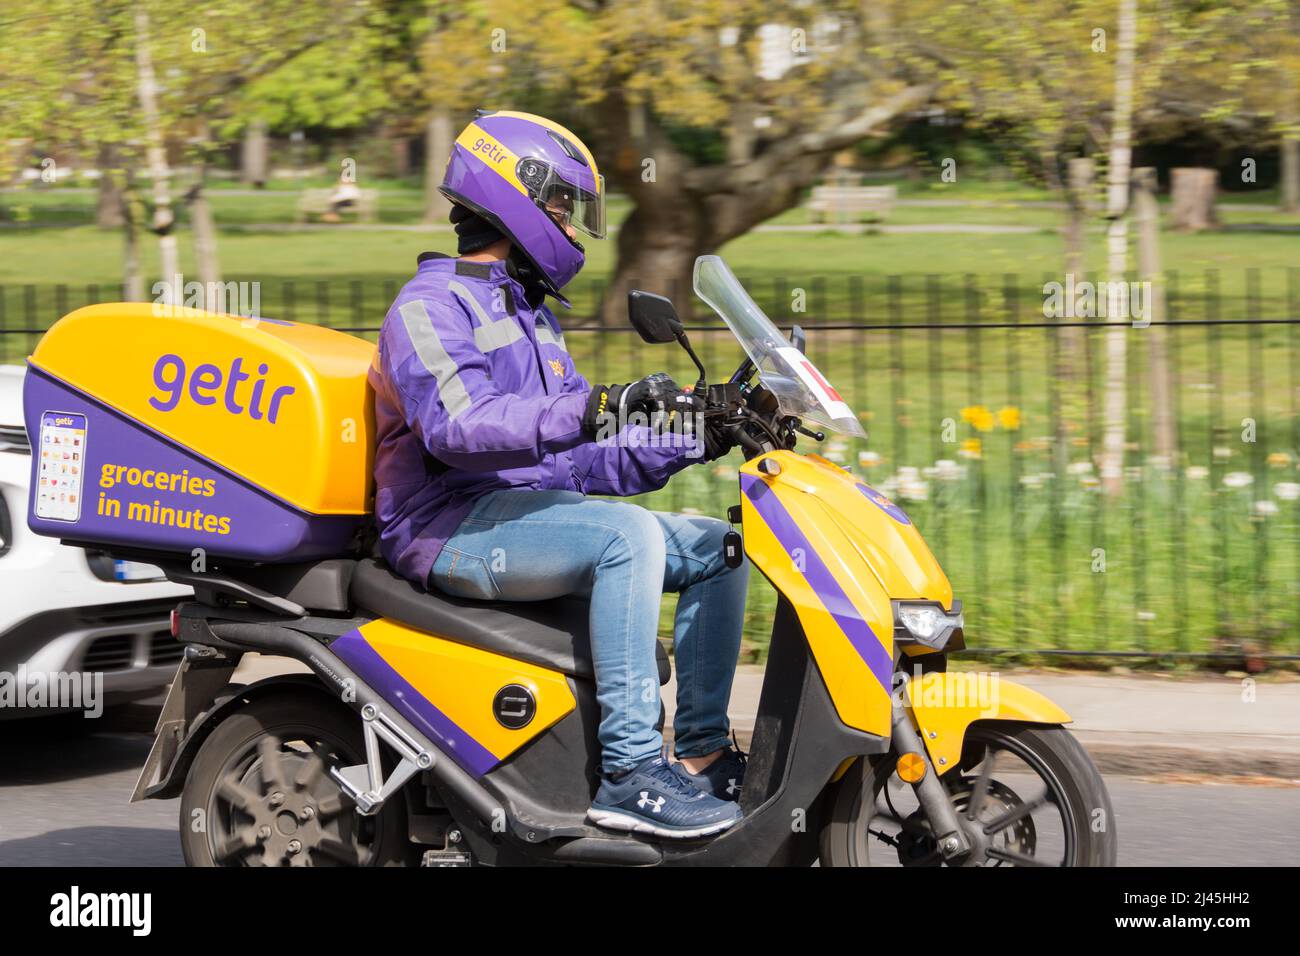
<point x="815" y="436"/>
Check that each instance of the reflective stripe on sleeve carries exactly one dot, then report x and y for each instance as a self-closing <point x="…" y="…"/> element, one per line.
<point x="424" y="337"/>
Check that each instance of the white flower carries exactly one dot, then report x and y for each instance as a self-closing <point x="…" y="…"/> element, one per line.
<point x="914" y="490"/>
<point x="1238" y="479"/>
<point x="1266" y="507"/>
<point x="1197" y="472"/>
<point x="945" y="469"/>
<point x="868" y="458"/>
<point x="1223" y="453"/>
<point x="1080" y="468"/>
<point x="1031" y="481"/>
<point x="1287" y="490"/>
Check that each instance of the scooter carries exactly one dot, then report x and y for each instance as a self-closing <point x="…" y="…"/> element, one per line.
<point x="432" y="730"/>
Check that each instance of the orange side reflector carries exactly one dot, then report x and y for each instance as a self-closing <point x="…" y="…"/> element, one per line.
<point x="911" y="768"/>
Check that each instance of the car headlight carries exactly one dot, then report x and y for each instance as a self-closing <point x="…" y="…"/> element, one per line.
<point x="928" y="623"/>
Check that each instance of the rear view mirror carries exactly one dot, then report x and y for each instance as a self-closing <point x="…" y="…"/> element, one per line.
<point x="653" y="317"/>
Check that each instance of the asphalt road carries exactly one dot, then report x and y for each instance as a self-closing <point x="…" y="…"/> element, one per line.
<point x="64" y="791"/>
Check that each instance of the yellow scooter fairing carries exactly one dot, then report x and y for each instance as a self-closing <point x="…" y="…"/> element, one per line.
<point x="840" y="552"/>
<point x="463" y="697"/>
<point x="943" y="706"/>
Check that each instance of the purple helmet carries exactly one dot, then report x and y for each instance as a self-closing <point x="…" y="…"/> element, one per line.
<point x="530" y="178"/>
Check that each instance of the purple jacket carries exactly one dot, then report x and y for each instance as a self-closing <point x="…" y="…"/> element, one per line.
<point x="475" y="391"/>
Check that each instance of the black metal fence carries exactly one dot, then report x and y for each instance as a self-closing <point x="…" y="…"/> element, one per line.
<point x="990" y="422"/>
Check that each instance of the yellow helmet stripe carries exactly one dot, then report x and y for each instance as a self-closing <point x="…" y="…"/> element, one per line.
<point x="566" y="133"/>
<point x="491" y="151"/>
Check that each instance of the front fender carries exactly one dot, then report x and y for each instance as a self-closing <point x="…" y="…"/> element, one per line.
<point x="943" y="705"/>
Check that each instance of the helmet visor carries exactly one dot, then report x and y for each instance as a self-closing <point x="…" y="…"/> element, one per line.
<point x="579" y="204"/>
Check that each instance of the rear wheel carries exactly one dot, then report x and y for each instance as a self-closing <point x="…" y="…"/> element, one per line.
<point x="1025" y="794"/>
<point x="259" y="792"/>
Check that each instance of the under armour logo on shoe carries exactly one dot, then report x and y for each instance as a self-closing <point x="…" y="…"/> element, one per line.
<point x="656" y="805"/>
<point x="732" y="786"/>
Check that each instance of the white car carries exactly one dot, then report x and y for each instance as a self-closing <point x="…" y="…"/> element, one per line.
<point x="66" y="610"/>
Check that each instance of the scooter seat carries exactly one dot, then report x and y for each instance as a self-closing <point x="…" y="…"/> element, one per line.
<point x="551" y="633"/>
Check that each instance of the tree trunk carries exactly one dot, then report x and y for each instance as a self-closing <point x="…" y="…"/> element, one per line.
<point x="1113" y="439"/>
<point x="163" y="217"/>
<point x="682" y="210"/>
<point x="656" y="253"/>
<point x="1147" y="216"/>
<point x="1079" y="206"/>
<point x="108" y="209"/>
<point x="254" y="155"/>
<point x="205" y="236"/>
<point x="1192" y="193"/>
<point x="1291" y="171"/>
<point x="202" y="224"/>
<point x="132" y="215"/>
<point x="438" y="140"/>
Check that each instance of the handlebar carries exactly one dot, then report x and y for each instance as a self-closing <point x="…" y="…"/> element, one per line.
<point x="751" y="414"/>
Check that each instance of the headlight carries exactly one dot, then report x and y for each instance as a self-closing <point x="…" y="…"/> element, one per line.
<point x="926" y="622"/>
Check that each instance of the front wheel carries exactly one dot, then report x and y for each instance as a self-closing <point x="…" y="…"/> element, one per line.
<point x="259" y="792"/>
<point x="1026" y="795"/>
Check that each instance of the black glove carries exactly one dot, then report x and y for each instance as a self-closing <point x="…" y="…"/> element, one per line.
<point x="609" y="405"/>
<point x="718" y="438"/>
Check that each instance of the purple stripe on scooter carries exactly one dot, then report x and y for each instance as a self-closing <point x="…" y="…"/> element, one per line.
<point x="836" y="602"/>
<point x="883" y="503"/>
<point x="355" y="651"/>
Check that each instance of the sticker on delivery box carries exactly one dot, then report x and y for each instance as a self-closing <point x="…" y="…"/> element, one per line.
<point x="821" y="389"/>
<point x="61" y="458"/>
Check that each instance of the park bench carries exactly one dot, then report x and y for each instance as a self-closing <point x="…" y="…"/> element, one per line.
<point x="851" y="203"/>
<point x="316" y="202"/>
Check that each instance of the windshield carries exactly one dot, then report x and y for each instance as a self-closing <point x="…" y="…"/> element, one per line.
<point x="800" y="389"/>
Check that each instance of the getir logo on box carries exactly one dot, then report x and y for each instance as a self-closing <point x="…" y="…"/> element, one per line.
<point x="208" y="384"/>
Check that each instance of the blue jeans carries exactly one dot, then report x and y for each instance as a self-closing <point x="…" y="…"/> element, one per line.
<point x="536" y="545"/>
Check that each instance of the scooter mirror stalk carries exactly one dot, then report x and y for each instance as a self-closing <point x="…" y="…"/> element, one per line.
<point x="799" y="339"/>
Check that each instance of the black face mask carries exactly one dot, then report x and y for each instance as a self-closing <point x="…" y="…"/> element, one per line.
<point x="473" y="232"/>
<point x="521" y="269"/>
